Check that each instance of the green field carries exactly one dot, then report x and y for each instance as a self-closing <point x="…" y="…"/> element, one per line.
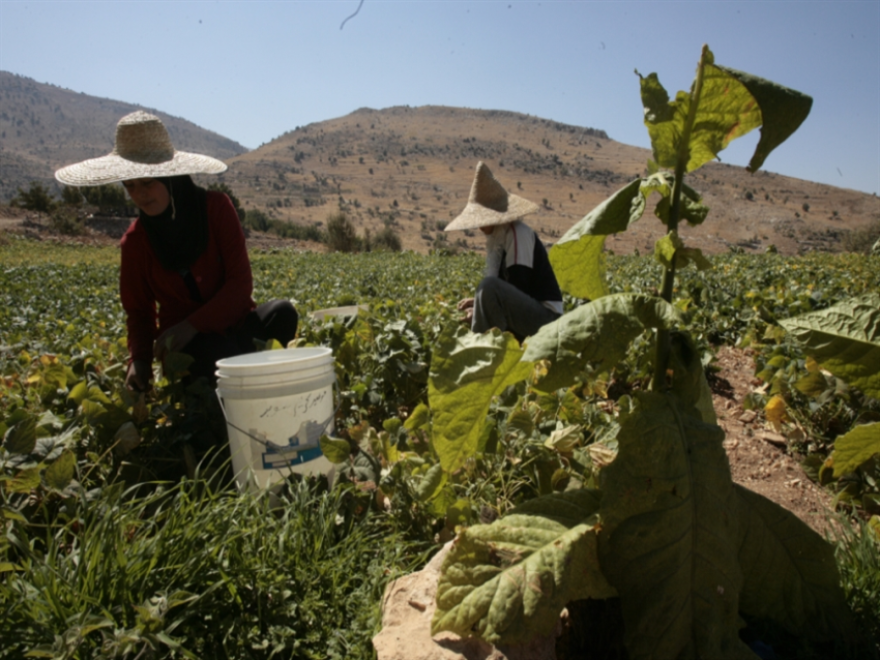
<point x="112" y="555"/>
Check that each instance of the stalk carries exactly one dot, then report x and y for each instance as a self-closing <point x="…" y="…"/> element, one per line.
<point x="661" y="356"/>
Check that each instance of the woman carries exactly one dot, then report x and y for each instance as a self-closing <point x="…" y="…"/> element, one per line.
<point x="519" y="291"/>
<point x="185" y="278"/>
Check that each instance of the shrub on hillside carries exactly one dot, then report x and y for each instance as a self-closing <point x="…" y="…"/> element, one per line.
<point x="387" y="239"/>
<point x="862" y="240"/>
<point x="341" y="236"/>
<point x="36" y="198"/>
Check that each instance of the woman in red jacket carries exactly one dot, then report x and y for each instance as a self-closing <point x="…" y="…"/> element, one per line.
<point x="185" y="278"/>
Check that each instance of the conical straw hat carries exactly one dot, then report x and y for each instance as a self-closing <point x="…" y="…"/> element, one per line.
<point x="490" y="204"/>
<point x="143" y="149"/>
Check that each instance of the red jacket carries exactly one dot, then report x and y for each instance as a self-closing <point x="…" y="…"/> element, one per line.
<point x="222" y="273"/>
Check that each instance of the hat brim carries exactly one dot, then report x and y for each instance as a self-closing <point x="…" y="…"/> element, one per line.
<point x="112" y="168"/>
<point x="476" y="215"/>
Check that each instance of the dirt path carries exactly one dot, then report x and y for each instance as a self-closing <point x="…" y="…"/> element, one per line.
<point x="758" y="459"/>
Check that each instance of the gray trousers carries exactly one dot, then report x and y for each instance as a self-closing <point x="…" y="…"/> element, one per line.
<point x="498" y="304"/>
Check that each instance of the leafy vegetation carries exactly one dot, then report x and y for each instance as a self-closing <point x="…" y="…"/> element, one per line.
<point x="667" y="532"/>
<point x="593" y="448"/>
<point x="61" y="353"/>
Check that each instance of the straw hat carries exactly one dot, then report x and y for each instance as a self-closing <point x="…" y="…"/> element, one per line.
<point x="490" y="204"/>
<point x="143" y="150"/>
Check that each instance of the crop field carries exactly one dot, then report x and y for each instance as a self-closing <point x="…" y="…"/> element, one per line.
<point x="117" y="544"/>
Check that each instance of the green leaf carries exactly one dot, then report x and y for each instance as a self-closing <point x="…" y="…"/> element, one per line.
<point x="689" y="378"/>
<point x="855" y="448"/>
<point x="60" y="472"/>
<point x="692" y="208"/>
<point x="598" y="333"/>
<point x="507" y="582"/>
<point x="731" y="104"/>
<point x="430" y="484"/>
<point x="25" y="480"/>
<point x="336" y="450"/>
<point x="671" y="249"/>
<point x="845" y="340"/>
<point x="467" y="371"/>
<point x="577" y="258"/>
<point x="21" y="438"/>
<point x="790" y="575"/>
<point x="668" y="542"/>
<point x="418" y="418"/>
<point x="783" y="110"/>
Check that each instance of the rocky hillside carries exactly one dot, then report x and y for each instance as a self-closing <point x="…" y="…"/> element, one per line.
<point x="43" y="127"/>
<point x="411" y="169"/>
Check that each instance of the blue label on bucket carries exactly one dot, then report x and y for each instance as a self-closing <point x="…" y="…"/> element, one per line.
<point x="281" y="458"/>
<point x="301" y="448"/>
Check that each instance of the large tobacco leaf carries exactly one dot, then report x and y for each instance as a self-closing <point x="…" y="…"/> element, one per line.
<point x="730" y="104"/>
<point x="844" y="339"/>
<point x="507" y="582"/>
<point x="467" y="370"/>
<point x="577" y="257"/>
<point x="688" y="550"/>
<point x="669" y="534"/>
<point x="598" y="333"/>
<point x="789" y="571"/>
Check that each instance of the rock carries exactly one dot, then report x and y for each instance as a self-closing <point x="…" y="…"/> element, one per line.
<point x="407" y="611"/>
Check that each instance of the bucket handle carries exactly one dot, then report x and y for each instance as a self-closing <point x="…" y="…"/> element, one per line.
<point x="268" y="443"/>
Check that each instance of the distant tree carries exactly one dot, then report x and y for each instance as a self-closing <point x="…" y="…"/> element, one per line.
<point x="257" y="220"/>
<point x="341" y="235"/>
<point x="36" y="198"/>
<point x="72" y="196"/>
<point x="222" y="187"/>
<point x="387" y="239"/>
<point x="109" y="198"/>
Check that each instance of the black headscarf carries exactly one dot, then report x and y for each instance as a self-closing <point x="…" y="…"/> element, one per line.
<point x="179" y="235"/>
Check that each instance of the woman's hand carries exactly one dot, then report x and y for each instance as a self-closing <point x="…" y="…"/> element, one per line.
<point x="466" y="306"/>
<point x="173" y="339"/>
<point x="137" y="378"/>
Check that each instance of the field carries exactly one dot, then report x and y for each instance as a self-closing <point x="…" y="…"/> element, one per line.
<point x="113" y="550"/>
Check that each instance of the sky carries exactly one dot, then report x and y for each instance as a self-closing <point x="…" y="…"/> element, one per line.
<point x="253" y="70"/>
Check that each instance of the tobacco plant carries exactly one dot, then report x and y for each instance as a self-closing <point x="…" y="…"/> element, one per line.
<point x="687" y="551"/>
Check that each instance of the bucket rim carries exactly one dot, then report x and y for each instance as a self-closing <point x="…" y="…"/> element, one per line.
<point x="263" y="362"/>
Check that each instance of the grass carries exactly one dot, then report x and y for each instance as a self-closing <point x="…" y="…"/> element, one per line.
<point x="193" y="571"/>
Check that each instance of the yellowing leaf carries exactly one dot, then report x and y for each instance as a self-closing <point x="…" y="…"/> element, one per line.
<point x="775" y="410"/>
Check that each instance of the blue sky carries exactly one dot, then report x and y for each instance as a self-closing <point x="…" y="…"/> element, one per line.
<point x="254" y="70"/>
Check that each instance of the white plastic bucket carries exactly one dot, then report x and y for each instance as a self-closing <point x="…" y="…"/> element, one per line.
<point x="277" y="405"/>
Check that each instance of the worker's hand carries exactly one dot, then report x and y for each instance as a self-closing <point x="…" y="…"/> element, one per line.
<point x="137" y="378"/>
<point x="173" y="339"/>
<point x="466" y="306"/>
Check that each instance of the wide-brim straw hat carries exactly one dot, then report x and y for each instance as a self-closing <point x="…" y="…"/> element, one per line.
<point x="490" y="204"/>
<point x="143" y="150"/>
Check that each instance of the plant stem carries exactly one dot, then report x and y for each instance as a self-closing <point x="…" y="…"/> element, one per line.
<point x="661" y="356"/>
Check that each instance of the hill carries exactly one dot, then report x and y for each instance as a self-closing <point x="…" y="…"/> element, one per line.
<point x="411" y="169"/>
<point x="43" y="127"/>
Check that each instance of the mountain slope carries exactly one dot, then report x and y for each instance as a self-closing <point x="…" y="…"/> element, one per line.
<point x="412" y="168"/>
<point x="43" y="127"/>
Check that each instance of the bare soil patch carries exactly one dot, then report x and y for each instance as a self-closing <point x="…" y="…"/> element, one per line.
<point x="758" y="456"/>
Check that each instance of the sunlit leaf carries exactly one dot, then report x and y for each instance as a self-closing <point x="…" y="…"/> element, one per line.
<point x="845" y="340"/>
<point x="598" y="333"/>
<point x="856" y="447"/>
<point x="508" y="581"/>
<point x="467" y="371"/>
<point x="577" y="257"/>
